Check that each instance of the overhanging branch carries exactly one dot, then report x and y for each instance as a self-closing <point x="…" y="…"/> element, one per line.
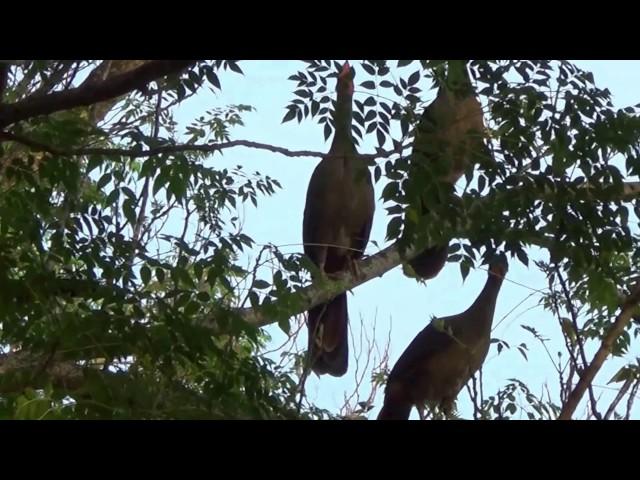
<point x="90" y="93"/>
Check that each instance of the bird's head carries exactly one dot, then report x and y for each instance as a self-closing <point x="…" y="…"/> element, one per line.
<point x="499" y="266"/>
<point x="345" y="80"/>
<point x="458" y="80"/>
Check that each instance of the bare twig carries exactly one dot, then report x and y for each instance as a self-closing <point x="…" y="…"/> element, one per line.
<point x="601" y="355"/>
<point x="619" y="396"/>
<point x="171" y="149"/>
<point x="574" y="321"/>
<point x="631" y="399"/>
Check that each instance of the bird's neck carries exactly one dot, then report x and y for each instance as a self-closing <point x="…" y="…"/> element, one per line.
<point x="342" y="118"/>
<point x="485" y="305"/>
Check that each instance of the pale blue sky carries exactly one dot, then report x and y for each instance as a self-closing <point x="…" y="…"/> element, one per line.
<point x="393" y="300"/>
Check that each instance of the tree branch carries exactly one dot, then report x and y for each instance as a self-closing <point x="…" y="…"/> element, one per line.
<point x="90" y="93"/>
<point x="17" y="371"/>
<point x="601" y="355"/>
<point x="313" y="295"/>
<point x="166" y="149"/>
<point x="574" y="321"/>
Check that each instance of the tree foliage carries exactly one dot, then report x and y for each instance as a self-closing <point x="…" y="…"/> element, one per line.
<point x="121" y="293"/>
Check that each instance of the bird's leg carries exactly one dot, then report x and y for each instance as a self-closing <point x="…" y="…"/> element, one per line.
<point x="354" y="268"/>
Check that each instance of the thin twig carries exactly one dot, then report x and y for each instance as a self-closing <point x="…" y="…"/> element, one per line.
<point x="631" y="399"/>
<point x="619" y="396"/>
<point x="574" y="321"/>
<point x="172" y="149"/>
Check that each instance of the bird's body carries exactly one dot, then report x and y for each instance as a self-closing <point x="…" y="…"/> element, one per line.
<point x="447" y="139"/>
<point x="443" y="356"/>
<point x="337" y="223"/>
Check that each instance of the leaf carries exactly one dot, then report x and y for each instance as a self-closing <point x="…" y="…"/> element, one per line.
<point x="290" y="115"/>
<point x="393" y="228"/>
<point x="370" y="102"/>
<point x="285" y="326"/>
<point x="260" y="284"/>
<point x="327" y="131"/>
<point x="129" y="211"/>
<point x="369" y="85"/>
<point x="522" y="256"/>
<point x="234" y="67"/>
<point x="104" y="180"/>
<point x="414" y="78"/>
<point x="464" y="270"/>
<point x="377" y="173"/>
<point x="213" y="78"/>
<point x="145" y="274"/>
<point x="625" y="373"/>
<point x="368" y="68"/>
<point x="160" y="275"/>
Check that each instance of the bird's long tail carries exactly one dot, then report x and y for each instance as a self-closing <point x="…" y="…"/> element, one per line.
<point x="328" y="337"/>
<point x="428" y="264"/>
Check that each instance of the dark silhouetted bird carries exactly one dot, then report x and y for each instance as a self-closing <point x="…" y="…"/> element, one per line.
<point x="337" y="223"/>
<point x="444" y="356"/>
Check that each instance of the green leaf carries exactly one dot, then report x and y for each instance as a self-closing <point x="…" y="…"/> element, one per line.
<point x="160" y="275"/>
<point x="290" y="115"/>
<point x="145" y="274"/>
<point x="260" y="284"/>
<point x="393" y="228"/>
<point x="104" y="180"/>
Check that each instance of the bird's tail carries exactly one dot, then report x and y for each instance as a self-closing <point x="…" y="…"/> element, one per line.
<point x="428" y="264"/>
<point x="396" y="405"/>
<point x="328" y="337"/>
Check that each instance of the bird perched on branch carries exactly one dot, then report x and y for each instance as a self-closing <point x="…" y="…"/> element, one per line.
<point x="337" y="223"/>
<point x="444" y="356"/>
<point x="447" y="140"/>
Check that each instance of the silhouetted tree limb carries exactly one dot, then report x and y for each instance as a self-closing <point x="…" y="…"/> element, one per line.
<point x="90" y="93"/>
<point x="601" y="355"/>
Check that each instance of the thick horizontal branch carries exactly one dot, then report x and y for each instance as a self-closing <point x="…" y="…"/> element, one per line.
<point x="601" y="355"/>
<point x="182" y="148"/>
<point x="90" y="93"/>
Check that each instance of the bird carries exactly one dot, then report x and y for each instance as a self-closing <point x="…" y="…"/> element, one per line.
<point x="338" y="215"/>
<point x="447" y="140"/>
<point x="444" y="356"/>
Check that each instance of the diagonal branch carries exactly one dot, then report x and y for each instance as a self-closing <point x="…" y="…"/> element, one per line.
<point x="601" y="355"/>
<point x="90" y="93"/>
<point x="374" y="266"/>
<point x="574" y="321"/>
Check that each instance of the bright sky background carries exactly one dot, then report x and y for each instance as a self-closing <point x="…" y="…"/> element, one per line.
<point x="394" y="301"/>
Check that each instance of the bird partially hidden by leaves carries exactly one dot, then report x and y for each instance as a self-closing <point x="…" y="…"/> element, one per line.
<point x="337" y="222"/>
<point x="444" y="356"/>
<point x="448" y="139"/>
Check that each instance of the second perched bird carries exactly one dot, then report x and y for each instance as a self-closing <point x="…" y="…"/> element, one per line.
<point x="440" y="360"/>
<point x="446" y="141"/>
